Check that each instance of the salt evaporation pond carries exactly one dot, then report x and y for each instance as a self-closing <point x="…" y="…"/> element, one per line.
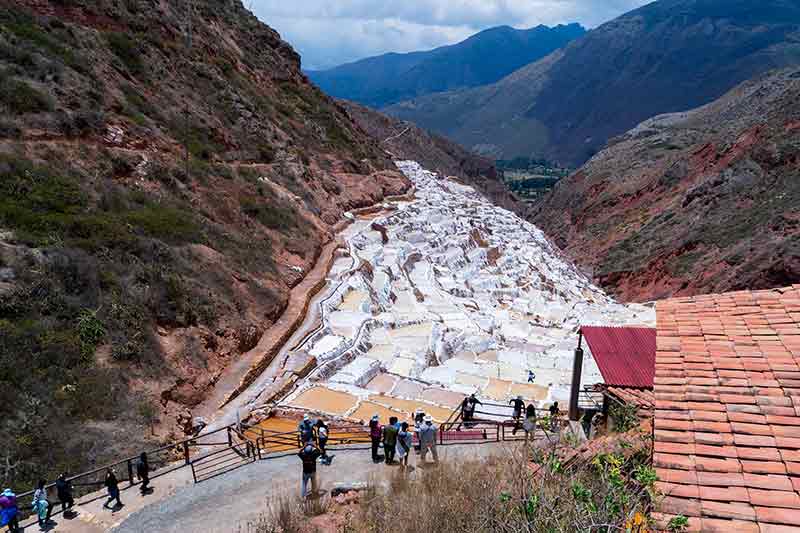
<point x="465" y="297"/>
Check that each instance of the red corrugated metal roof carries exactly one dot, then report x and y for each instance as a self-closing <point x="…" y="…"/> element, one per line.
<point x="626" y="356"/>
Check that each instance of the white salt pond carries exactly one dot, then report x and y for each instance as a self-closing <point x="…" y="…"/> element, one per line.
<point x="465" y="297"/>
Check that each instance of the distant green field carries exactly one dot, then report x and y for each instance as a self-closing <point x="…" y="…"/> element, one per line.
<point x="531" y="178"/>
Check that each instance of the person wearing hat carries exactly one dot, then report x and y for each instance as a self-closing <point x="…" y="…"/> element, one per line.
<point x="305" y="430"/>
<point x="9" y="511"/>
<point x="375" y="434"/>
<point x="427" y="440"/>
<point x="309" y="455"/>
<point x="519" y="406"/>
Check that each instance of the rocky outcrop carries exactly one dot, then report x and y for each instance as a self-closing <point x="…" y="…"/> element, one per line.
<point x="695" y="202"/>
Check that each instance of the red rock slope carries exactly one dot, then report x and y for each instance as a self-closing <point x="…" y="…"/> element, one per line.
<point x="691" y="203"/>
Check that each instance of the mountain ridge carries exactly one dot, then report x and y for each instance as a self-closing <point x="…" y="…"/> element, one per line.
<point x="666" y="56"/>
<point x="478" y="60"/>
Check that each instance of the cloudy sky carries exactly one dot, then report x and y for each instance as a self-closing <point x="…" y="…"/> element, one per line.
<point x="332" y="32"/>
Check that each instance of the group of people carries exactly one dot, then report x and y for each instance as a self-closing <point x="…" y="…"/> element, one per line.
<point x="42" y="507"/>
<point x="397" y="439"/>
<point x="529" y="424"/>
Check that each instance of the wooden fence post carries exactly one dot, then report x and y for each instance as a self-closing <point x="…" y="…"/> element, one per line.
<point x="186" y="452"/>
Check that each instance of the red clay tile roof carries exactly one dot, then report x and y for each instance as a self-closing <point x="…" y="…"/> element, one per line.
<point x="625" y="356"/>
<point x="643" y="399"/>
<point x="727" y="419"/>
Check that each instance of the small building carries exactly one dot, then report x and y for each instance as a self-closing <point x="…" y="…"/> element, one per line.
<point x="625" y="357"/>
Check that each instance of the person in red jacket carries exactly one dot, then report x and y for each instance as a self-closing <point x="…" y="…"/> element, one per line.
<point x="375" y="434"/>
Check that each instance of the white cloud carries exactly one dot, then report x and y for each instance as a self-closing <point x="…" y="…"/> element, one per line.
<point x="331" y="32"/>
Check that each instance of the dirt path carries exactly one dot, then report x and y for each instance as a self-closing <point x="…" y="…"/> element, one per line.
<point x="268" y="347"/>
<point x="230" y="501"/>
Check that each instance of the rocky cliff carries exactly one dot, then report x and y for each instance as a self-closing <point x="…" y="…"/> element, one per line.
<point x="696" y="202"/>
<point x="129" y="272"/>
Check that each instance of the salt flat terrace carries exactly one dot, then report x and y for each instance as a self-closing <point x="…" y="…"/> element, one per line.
<point x="445" y="296"/>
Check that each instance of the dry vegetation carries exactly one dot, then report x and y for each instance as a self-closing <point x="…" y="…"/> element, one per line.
<point x="612" y="492"/>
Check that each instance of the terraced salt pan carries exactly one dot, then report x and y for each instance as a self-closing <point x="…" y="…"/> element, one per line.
<point x="435" y="320"/>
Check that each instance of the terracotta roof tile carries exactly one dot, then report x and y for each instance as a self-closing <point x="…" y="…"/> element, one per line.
<point x="738" y="510"/>
<point x="777" y="515"/>
<point x="727" y="417"/>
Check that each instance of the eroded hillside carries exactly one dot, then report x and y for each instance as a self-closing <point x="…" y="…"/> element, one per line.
<point x="404" y="140"/>
<point x="688" y="203"/>
<point x="126" y="275"/>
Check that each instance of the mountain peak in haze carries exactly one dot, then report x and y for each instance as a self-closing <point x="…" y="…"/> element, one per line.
<point x="481" y="59"/>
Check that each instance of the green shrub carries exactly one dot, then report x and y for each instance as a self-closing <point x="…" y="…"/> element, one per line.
<point x="21" y="98"/>
<point x="127" y="51"/>
<point x="283" y="218"/>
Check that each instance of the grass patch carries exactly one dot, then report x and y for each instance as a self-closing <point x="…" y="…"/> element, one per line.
<point x="46" y="206"/>
<point x="283" y="218"/>
<point x="127" y="51"/>
<point x="20" y="98"/>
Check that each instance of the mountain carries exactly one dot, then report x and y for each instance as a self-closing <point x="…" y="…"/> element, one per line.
<point x="482" y="59"/>
<point x="129" y="276"/>
<point x="405" y="141"/>
<point x="667" y="56"/>
<point x="696" y="202"/>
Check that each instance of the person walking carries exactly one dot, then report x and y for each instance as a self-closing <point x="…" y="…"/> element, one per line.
<point x="143" y="473"/>
<point x="305" y="430"/>
<point x="112" y="486"/>
<point x="309" y="455"/>
<point x="427" y="440"/>
<point x="375" y="434"/>
<point x="531" y="376"/>
<point x="64" y="492"/>
<point x="519" y="406"/>
<point x="405" y="441"/>
<point x="41" y="505"/>
<point x="9" y="511"/>
<point x="390" y="439"/>
<point x="419" y="420"/>
<point x="468" y="410"/>
<point x="554" y="413"/>
<point x="530" y="421"/>
<point x="322" y="440"/>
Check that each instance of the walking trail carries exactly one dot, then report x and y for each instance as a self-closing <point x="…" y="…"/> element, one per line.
<point x="232" y="501"/>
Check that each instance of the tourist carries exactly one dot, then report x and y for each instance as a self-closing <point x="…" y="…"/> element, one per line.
<point x="9" y="511"/>
<point x="554" y="413"/>
<point x="322" y="440"/>
<point x="419" y="420"/>
<point x="309" y="455"/>
<point x="404" y="442"/>
<point x="64" y="492"/>
<point x="519" y="406"/>
<point x="305" y="430"/>
<point x="468" y="410"/>
<point x="427" y="440"/>
<point x="112" y="486"/>
<point x="390" y="439"/>
<point x="530" y="421"/>
<point x="41" y="506"/>
<point x="375" y="434"/>
<point x="143" y="472"/>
